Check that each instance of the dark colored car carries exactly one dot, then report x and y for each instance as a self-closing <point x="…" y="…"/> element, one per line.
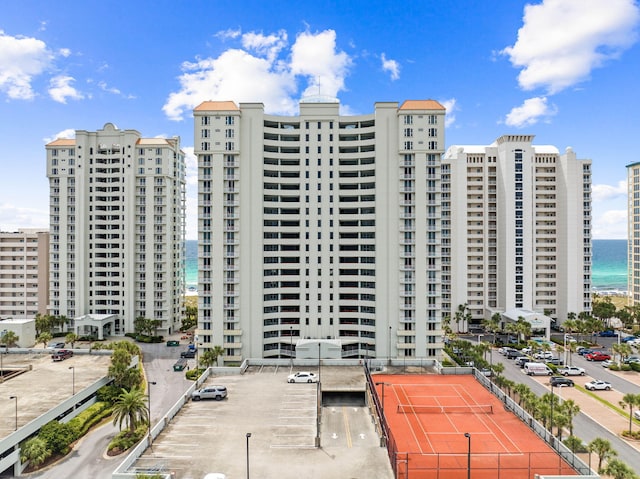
<point x="560" y="381"/>
<point x="514" y="353"/>
<point x="62" y="354"/>
<point x="586" y="351"/>
<point x="608" y="334"/>
<point x="189" y="354"/>
<point x="173" y="343"/>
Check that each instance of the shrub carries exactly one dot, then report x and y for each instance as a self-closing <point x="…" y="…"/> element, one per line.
<point x="631" y="434"/>
<point x="36" y="451"/>
<point x="58" y="436"/>
<point x="614" y="367"/>
<point x="109" y="393"/>
<point x="193" y="374"/>
<point x="125" y="440"/>
<point x="635" y="367"/>
<point x="625" y="367"/>
<point x="89" y="418"/>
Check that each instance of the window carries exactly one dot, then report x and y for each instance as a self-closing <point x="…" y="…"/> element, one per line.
<point x="408" y="119"/>
<point x="408" y="145"/>
<point x="229" y="120"/>
<point x="408" y="132"/>
<point x="204" y="120"/>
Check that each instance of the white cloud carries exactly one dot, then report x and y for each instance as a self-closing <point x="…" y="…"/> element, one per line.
<point x="562" y="41"/>
<point x="608" y="192"/>
<point x="228" y="34"/>
<point x="13" y="218"/>
<point x="314" y="56"/>
<point x="451" y="106"/>
<point x="265" y="73"/>
<point x="530" y="112"/>
<point x="21" y="59"/>
<point x="611" y="224"/>
<point x="68" y="134"/>
<point x="60" y="89"/>
<point x="391" y="66"/>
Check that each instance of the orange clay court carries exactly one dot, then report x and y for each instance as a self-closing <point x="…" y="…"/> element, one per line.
<point x="428" y="416"/>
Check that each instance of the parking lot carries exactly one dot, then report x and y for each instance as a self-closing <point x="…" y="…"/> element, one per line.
<point x="44" y="384"/>
<point x="211" y="436"/>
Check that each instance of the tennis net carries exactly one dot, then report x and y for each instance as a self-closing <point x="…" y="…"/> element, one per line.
<point x="469" y="409"/>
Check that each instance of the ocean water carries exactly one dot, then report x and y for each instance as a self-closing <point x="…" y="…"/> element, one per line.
<point x="609" y="264"/>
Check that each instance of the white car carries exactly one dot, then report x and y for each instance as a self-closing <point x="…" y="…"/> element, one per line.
<point x="598" y="385"/>
<point x="571" y="371"/>
<point x="606" y="363"/>
<point x="302" y="377"/>
<point x="543" y="355"/>
<point x="526" y="350"/>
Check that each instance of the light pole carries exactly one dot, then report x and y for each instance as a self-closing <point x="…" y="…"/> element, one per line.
<point x="73" y="380"/>
<point x="248" y="436"/>
<point x="291" y="344"/>
<point x="551" y="418"/>
<point x="319" y="364"/>
<point x="468" y="436"/>
<point x="389" y="345"/>
<point x="16" y="398"/>
<point x="383" y="385"/>
<point x="149" y="383"/>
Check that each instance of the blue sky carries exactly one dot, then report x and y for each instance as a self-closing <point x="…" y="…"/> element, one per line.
<point x="566" y="71"/>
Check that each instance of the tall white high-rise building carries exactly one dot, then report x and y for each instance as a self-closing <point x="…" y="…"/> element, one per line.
<point x="321" y="227"/>
<point x="117" y="222"/>
<point x="24" y="273"/>
<point x="633" y="231"/>
<point x="517" y="229"/>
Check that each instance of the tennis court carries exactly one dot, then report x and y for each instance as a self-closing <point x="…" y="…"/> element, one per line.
<point x="440" y="425"/>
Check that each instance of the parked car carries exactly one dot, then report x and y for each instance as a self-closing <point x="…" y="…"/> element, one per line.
<point x="570" y="339"/>
<point x="607" y="334"/>
<point x="582" y="351"/>
<point x="597" y="356"/>
<point x="598" y="385"/>
<point x="537" y="369"/>
<point x="210" y="392"/>
<point x="560" y="381"/>
<point x="55" y="345"/>
<point x="521" y="360"/>
<point x="606" y="363"/>
<point x="555" y="361"/>
<point x="486" y="372"/>
<point x="513" y="353"/>
<point x="636" y="414"/>
<point x="526" y="350"/>
<point x="302" y="377"/>
<point x="62" y="354"/>
<point x="632" y="359"/>
<point x="571" y="371"/>
<point x="189" y="354"/>
<point x="627" y="339"/>
<point x="173" y="342"/>
<point x="543" y="355"/>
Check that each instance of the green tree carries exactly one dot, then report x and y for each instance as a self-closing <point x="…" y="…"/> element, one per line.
<point x="521" y="390"/>
<point x="191" y="317"/>
<point x="571" y="409"/>
<point x="124" y="376"/>
<point x="492" y="325"/>
<point x="523" y="328"/>
<point x="619" y="470"/>
<point x="462" y="314"/>
<point x="58" y="436"/>
<point x="603" y="309"/>
<point x="210" y="356"/>
<point x="44" y="339"/>
<point x="43" y="323"/>
<point x="561" y="421"/>
<point x="512" y="328"/>
<point x="9" y="339"/>
<point x="71" y="338"/>
<point x="574" y="443"/>
<point x="35" y="451"/>
<point x="630" y="400"/>
<point x="603" y="449"/>
<point x="130" y="409"/>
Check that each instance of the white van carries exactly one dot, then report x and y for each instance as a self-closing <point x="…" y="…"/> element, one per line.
<point x="537" y="369"/>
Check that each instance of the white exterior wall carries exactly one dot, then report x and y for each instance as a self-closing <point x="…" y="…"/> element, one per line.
<point x="527" y="231"/>
<point x="319" y="227"/>
<point x="24" y="273"/>
<point x="117" y="227"/>
<point x="633" y="231"/>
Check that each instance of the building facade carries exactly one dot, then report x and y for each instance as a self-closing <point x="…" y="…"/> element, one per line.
<point x="24" y="273"/>
<point x="633" y="231"/>
<point x="117" y="223"/>
<point x="517" y="227"/>
<point x="320" y="226"/>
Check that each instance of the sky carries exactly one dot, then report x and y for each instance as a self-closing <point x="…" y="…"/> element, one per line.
<point x="566" y="71"/>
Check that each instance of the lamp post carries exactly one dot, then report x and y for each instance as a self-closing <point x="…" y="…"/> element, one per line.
<point x="248" y="435"/>
<point x="389" y="345"/>
<point x="383" y="385"/>
<point x="73" y="380"/>
<point x="16" y="398"/>
<point x="319" y="364"/>
<point x="468" y="436"/>
<point x="291" y="344"/>
<point x="149" y="384"/>
<point x="551" y="418"/>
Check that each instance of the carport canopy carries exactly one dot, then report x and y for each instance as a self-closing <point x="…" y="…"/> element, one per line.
<point x="538" y="321"/>
<point x="85" y="323"/>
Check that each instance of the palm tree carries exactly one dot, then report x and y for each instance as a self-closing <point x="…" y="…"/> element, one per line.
<point x="44" y="338"/>
<point x="130" y="408"/>
<point x="571" y="409"/>
<point x="9" y="339"/>
<point x="630" y="400"/>
<point x="561" y="420"/>
<point x="71" y="338"/>
<point x="574" y="443"/>
<point x="572" y="347"/>
<point x="462" y="314"/>
<point x="210" y="356"/>
<point x="521" y="390"/>
<point x="35" y="451"/>
<point x="619" y="470"/>
<point x="523" y="327"/>
<point x="603" y="449"/>
<point x="492" y="325"/>
<point x="511" y="328"/>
